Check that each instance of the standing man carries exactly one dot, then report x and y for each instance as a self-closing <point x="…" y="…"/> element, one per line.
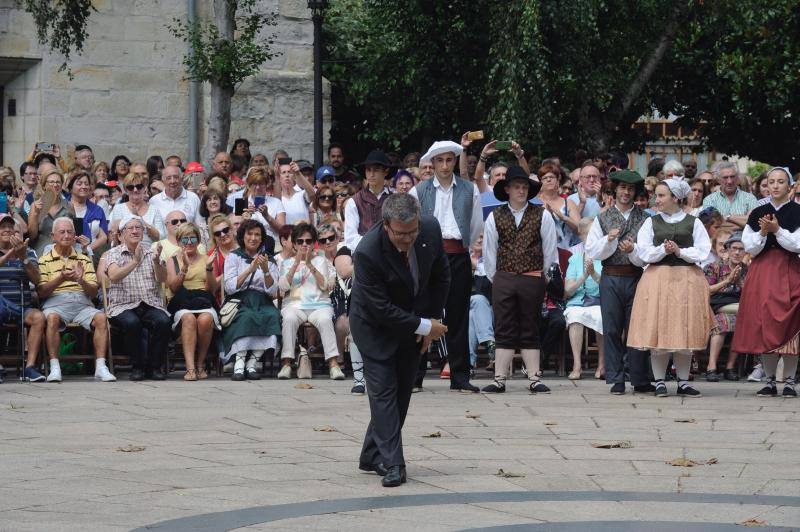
<point x="175" y="197"/>
<point x="363" y="210"/>
<point x="336" y="160"/>
<point x="222" y="166"/>
<point x="519" y="245"/>
<point x="612" y="239"/>
<point x="455" y="203"/>
<point x="733" y="204"/>
<point x="401" y="281"/>
<point x="84" y="157"/>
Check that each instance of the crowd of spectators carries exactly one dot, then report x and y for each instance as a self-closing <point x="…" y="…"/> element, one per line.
<point x="250" y="258"/>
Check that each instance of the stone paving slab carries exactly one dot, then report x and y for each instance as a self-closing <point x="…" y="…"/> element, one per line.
<point x="220" y="446"/>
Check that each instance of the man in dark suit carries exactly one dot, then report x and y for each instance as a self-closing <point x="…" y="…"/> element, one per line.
<point x="400" y="285"/>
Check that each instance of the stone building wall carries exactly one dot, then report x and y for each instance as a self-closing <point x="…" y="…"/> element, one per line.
<point x="128" y="94"/>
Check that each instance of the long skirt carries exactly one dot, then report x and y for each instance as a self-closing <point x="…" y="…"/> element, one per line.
<point x="769" y="309"/>
<point x="671" y="311"/>
<point x="257" y="325"/>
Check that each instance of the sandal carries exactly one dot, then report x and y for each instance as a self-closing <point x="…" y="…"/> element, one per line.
<point x="202" y="375"/>
<point x="191" y="375"/>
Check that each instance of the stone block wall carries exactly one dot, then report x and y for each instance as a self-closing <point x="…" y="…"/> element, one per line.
<point x="128" y="94"/>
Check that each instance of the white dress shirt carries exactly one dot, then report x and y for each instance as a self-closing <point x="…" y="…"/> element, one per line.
<point x="187" y="201"/>
<point x="352" y="220"/>
<point x="692" y="255"/>
<point x="443" y="211"/>
<point x="547" y="232"/>
<point x="754" y="243"/>
<point x="598" y="246"/>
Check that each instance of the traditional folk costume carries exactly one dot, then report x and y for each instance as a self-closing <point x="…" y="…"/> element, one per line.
<point x="364" y="209"/>
<point x="769" y="309"/>
<point x="621" y="274"/>
<point x="671" y="312"/>
<point x="518" y="246"/>
<point x="458" y="210"/>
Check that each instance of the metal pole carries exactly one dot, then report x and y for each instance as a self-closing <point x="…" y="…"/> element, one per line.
<point x="317" y="18"/>
<point x="191" y="16"/>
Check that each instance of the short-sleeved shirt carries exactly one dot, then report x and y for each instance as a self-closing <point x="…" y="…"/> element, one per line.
<point x="188" y="202"/>
<point x="589" y="287"/>
<point x="590" y="209"/>
<point x="296" y="207"/>
<point x="139" y="286"/>
<point x="51" y="264"/>
<point x="743" y="202"/>
<point x="11" y="273"/>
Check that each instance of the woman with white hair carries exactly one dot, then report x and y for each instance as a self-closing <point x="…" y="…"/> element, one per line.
<point x="671" y="313"/>
<point x="673" y="170"/>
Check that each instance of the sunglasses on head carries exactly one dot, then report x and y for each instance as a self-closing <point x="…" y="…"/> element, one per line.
<point x="187" y="240"/>
<point x="306" y="241"/>
<point x="222" y="232"/>
<point x="178" y="221"/>
<point x="131" y="188"/>
<point x="327" y="239"/>
<point x="326" y="197"/>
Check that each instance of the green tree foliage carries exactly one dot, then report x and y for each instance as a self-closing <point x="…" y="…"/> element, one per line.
<point x="61" y="25"/>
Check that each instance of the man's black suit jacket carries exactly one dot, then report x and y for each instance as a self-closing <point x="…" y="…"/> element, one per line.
<point x="384" y="312"/>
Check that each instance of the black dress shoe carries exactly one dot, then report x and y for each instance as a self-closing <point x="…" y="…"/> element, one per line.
<point x="618" y="388"/>
<point x="380" y="469"/>
<point x="644" y="388"/>
<point x="253" y="375"/>
<point x="157" y="375"/>
<point x="731" y="375"/>
<point x="395" y="476"/>
<point x="136" y="375"/>
<point x="463" y="386"/>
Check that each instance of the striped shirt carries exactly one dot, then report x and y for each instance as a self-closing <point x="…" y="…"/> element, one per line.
<point x="743" y="202"/>
<point x="11" y="273"/>
<point x="51" y="264"/>
<point x="139" y="286"/>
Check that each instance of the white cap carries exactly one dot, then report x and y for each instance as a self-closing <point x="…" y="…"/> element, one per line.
<point x="129" y="219"/>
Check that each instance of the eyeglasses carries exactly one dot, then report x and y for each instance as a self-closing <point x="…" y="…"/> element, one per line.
<point x="178" y="221"/>
<point x="326" y="198"/>
<point x="134" y="227"/>
<point x="343" y="195"/>
<point x="121" y="163"/>
<point x="327" y="239"/>
<point x="403" y="234"/>
<point x="222" y="232"/>
<point x="131" y="188"/>
<point x="304" y="241"/>
<point x="188" y="240"/>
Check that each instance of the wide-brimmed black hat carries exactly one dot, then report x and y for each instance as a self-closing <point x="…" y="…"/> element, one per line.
<point x="512" y="174"/>
<point x="377" y="157"/>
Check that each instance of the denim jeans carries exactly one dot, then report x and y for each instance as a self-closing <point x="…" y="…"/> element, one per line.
<point x="480" y="325"/>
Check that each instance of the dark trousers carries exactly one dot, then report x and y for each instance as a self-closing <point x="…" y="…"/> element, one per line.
<point x="517" y="305"/>
<point x="389" y="384"/>
<point x="457" y="316"/>
<point x="616" y="303"/>
<point x="131" y="324"/>
<point x="553" y="327"/>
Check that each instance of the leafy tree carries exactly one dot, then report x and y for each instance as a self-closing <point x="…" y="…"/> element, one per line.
<point x="61" y="25"/>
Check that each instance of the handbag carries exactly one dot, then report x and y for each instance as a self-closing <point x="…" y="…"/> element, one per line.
<point x="230" y="308"/>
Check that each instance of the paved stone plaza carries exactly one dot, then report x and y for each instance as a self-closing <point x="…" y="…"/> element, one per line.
<point x="220" y="455"/>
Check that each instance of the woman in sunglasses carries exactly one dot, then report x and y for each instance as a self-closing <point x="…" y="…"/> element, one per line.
<point x="223" y="241"/>
<point x="306" y="281"/>
<point x="135" y="184"/>
<point x="343" y="192"/>
<point x="190" y="274"/>
<point x="325" y="204"/>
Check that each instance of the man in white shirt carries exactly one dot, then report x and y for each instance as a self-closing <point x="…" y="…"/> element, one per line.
<point x="175" y="197"/>
<point x="455" y="203"/>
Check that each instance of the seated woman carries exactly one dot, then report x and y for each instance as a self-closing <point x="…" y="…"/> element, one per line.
<point x="95" y="226"/>
<point x="726" y="277"/>
<point x="251" y="276"/>
<point x="306" y="281"/>
<point x="582" y="289"/>
<point x="42" y="215"/>
<point x="223" y="242"/>
<point x="189" y="275"/>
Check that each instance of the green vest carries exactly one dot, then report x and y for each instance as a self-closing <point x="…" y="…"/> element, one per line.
<point x="681" y="233"/>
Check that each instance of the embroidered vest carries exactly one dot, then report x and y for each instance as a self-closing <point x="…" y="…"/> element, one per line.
<point x="369" y="209"/>
<point x="680" y="233"/>
<point x="462" y="203"/>
<point x="519" y="249"/>
<point x="611" y="219"/>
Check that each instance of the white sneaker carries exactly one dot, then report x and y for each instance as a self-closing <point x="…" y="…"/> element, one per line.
<point x="55" y="373"/>
<point x="757" y="374"/>
<point x="285" y="372"/>
<point x="102" y="373"/>
<point x="336" y="373"/>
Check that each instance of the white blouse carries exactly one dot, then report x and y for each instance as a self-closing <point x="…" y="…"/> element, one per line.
<point x="754" y="243"/>
<point x="692" y="255"/>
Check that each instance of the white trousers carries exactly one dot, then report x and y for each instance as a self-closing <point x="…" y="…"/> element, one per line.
<point x="321" y="319"/>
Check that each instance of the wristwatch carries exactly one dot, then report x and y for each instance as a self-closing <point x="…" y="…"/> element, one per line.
<point x="26" y="261"/>
<point x="209" y="268"/>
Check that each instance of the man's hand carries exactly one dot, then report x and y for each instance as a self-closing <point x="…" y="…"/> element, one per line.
<point x="516" y="149"/>
<point x="626" y="246"/>
<point x="159" y="249"/>
<point x="489" y="149"/>
<point x="426" y="343"/>
<point x="613" y="235"/>
<point x="437" y="330"/>
<point x="465" y="142"/>
<point x="295" y="168"/>
<point x="138" y="254"/>
<point x="20" y="247"/>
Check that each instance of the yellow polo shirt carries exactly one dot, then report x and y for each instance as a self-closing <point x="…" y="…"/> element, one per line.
<point x="51" y="264"/>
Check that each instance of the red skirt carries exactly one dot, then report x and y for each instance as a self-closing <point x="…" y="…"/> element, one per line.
<point x="769" y="309"/>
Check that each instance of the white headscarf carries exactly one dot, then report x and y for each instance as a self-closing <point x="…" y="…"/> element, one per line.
<point x="679" y="188"/>
<point x="785" y="169"/>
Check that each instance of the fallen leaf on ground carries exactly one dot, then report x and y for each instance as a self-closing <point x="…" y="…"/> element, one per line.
<point x="752" y="522"/>
<point x="685" y="420"/>
<point x="506" y="474"/>
<point x="436" y="434"/>
<point x="682" y="462"/>
<point x="472" y="416"/>
<point x="326" y="428"/>
<point x="711" y="461"/>
<point x="548" y="423"/>
<point x="303" y="386"/>
<point x="130" y="449"/>
<point x="612" y="444"/>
